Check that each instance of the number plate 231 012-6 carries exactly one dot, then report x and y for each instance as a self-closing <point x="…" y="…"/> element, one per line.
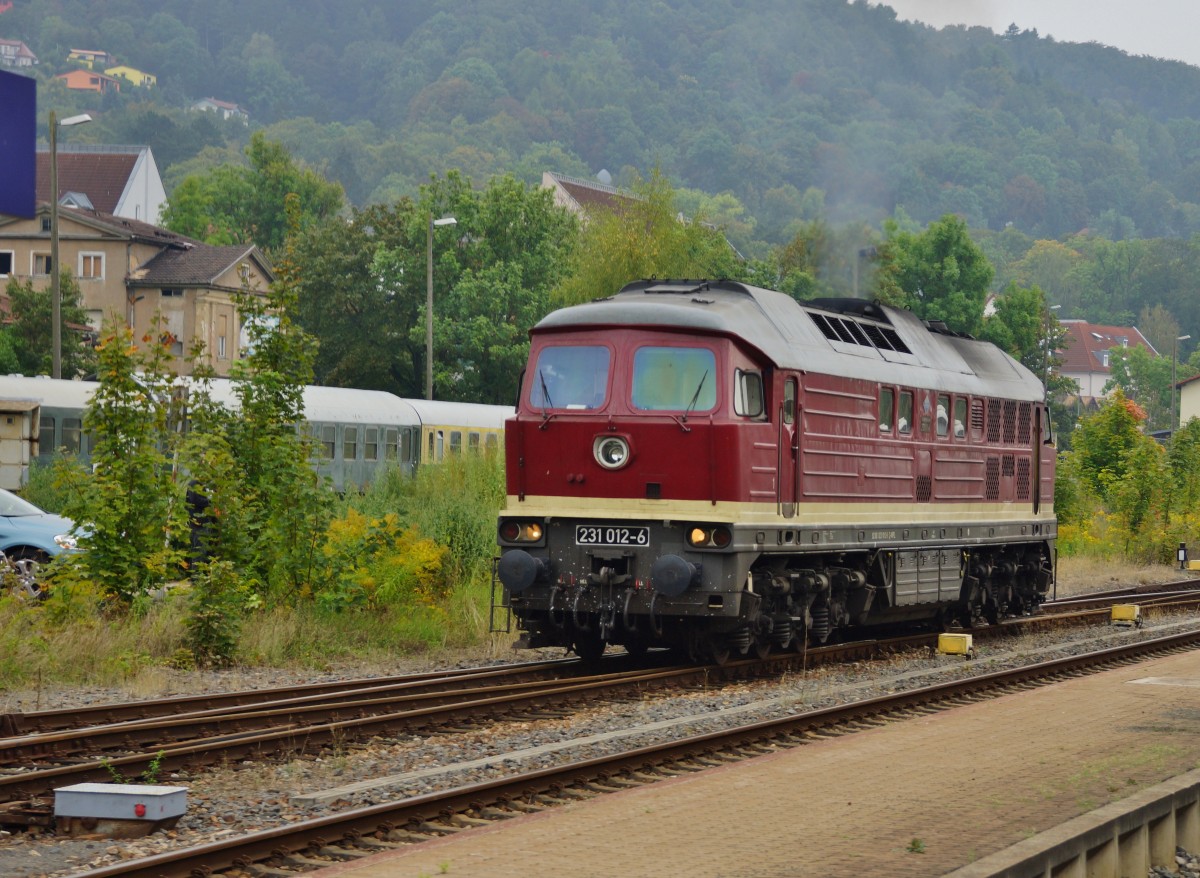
<point x="611" y="535"/>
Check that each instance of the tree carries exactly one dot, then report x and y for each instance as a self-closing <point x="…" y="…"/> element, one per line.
<point x="245" y="204"/>
<point x="943" y="273"/>
<point x="1103" y="441"/>
<point x="129" y="500"/>
<point x="645" y="237"/>
<point x="363" y="290"/>
<point x="31" y="333"/>
<point x="1144" y="378"/>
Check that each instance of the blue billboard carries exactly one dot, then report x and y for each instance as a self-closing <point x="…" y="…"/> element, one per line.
<point x="18" y="142"/>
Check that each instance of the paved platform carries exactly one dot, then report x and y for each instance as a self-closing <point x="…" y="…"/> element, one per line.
<point x="914" y="798"/>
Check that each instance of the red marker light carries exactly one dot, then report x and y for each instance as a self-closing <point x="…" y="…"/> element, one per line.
<point x="139" y="809"/>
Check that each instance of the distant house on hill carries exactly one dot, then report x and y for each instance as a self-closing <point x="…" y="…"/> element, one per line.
<point x="14" y="53"/>
<point x="89" y="80"/>
<point x="583" y="196"/>
<point x="121" y="180"/>
<point x="91" y="58"/>
<point x="1086" y="352"/>
<point x="226" y="109"/>
<point x="133" y="76"/>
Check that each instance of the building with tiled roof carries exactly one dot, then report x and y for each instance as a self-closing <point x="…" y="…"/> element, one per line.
<point x="226" y="109"/>
<point x="89" y="80"/>
<point x="121" y="180"/>
<point x="151" y="279"/>
<point x="133" y="76"/>
<point x="1086" y="351"/>
<point x="14" y="53"/>
<point x="91" y="57"/>
<point x="583" y="196"/>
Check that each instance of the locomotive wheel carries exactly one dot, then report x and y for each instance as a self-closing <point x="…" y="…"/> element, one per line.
<point x="637" y="648"/>
<point x="719" y="653"/>
<point x="589" y="648"/>
<point x="762" y="648"/>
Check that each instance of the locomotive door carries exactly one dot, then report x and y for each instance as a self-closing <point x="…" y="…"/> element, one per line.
<point x="789" y="443"/>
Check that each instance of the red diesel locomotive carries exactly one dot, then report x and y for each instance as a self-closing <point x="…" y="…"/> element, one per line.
<point x="719" y="468"/>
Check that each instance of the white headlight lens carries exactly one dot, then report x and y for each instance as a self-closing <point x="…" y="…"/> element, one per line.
<point x="612" y="452"/>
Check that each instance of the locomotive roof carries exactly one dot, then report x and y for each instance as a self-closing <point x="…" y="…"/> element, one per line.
<point x="850" y="337"/>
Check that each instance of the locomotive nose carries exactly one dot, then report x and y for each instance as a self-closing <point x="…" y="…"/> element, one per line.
<point x="518" y="570"/>
<point x="671" y="575"/>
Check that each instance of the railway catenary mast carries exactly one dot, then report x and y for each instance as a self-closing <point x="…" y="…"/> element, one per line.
<point x="716" y="467"/>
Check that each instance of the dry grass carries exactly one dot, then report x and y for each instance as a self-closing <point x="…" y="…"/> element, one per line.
<point x="1077" y="575"/>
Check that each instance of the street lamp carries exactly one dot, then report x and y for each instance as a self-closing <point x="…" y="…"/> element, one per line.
<point x="1174" y="389"/>
<point x="444" y="221"/>
<point x="1047" y="340"/>
<point x="55" y="284"/>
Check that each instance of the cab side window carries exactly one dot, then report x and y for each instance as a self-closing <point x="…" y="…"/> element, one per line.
<point x="905" y="413"/>
<point x="887" y="409"/>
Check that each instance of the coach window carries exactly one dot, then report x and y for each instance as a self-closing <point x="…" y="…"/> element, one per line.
<point x="748" y="395"/>
<point x="960" y="417"/>
<point x="943" y="414"/>
<point x="905" y="412"/>
<point x="46" y="437"/>
<point x="491" y="442"/>
<point x="455" y="442"/>
<point x="570" y="377"/>
<point x="370" y="443"/>
<point x="674" y="379"/>
<point x="390" y="442"/>
<point x="473" y="442"/>
<point x="887" y="408"/>
<point x="71" y="429"/>
<point x="350" y="443"/>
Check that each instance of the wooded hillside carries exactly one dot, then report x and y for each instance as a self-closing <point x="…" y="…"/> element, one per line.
<point x="778" y="102"/>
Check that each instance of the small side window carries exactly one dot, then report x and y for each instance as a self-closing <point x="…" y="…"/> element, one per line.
<point x="960" y="418"/>
<point x="905" y="414"/>
<point x="789" y="401"/>
<point x="887" y="408"/>
<point x="748" y="395"/>
<point x="943" y="414"/>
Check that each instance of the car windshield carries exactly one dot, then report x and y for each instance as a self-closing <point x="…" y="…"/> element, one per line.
<point x="570" y="377"/>
<point x="674" y="379"/>
<point x="11" y="504"/>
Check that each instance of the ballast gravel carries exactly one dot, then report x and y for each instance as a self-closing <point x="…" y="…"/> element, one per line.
<point x="251" y="796"/>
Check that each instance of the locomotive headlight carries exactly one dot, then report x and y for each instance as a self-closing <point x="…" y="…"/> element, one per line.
<point x="611" y="452"/>
<point x="520" y="531"/>
<point x="709" y="537"/>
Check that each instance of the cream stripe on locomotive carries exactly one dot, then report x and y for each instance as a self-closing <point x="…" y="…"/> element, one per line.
<point x="807" y="514"/>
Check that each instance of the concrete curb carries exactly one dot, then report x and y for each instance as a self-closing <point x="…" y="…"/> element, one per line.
<point x="1124" y="838"/>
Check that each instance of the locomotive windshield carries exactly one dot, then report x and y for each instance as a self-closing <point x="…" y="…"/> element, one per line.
<point x="674" y="379"/>
<point x="570" y="377"/>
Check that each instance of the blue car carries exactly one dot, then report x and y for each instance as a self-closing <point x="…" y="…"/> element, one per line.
<point x="30" y="537"/>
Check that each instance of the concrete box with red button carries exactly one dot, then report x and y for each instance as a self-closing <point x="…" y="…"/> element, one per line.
<point x="93" y="805"/>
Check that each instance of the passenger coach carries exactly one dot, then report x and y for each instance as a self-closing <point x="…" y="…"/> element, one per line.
<point x="355" y="432"/>
<point x="719" y="468"/>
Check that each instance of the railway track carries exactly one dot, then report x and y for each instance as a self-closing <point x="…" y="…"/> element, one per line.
<point x="307" y="719"/>
<point x="355" y="833"/>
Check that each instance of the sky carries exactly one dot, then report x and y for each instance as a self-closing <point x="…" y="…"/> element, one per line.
<point x="1159" y="28"/>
